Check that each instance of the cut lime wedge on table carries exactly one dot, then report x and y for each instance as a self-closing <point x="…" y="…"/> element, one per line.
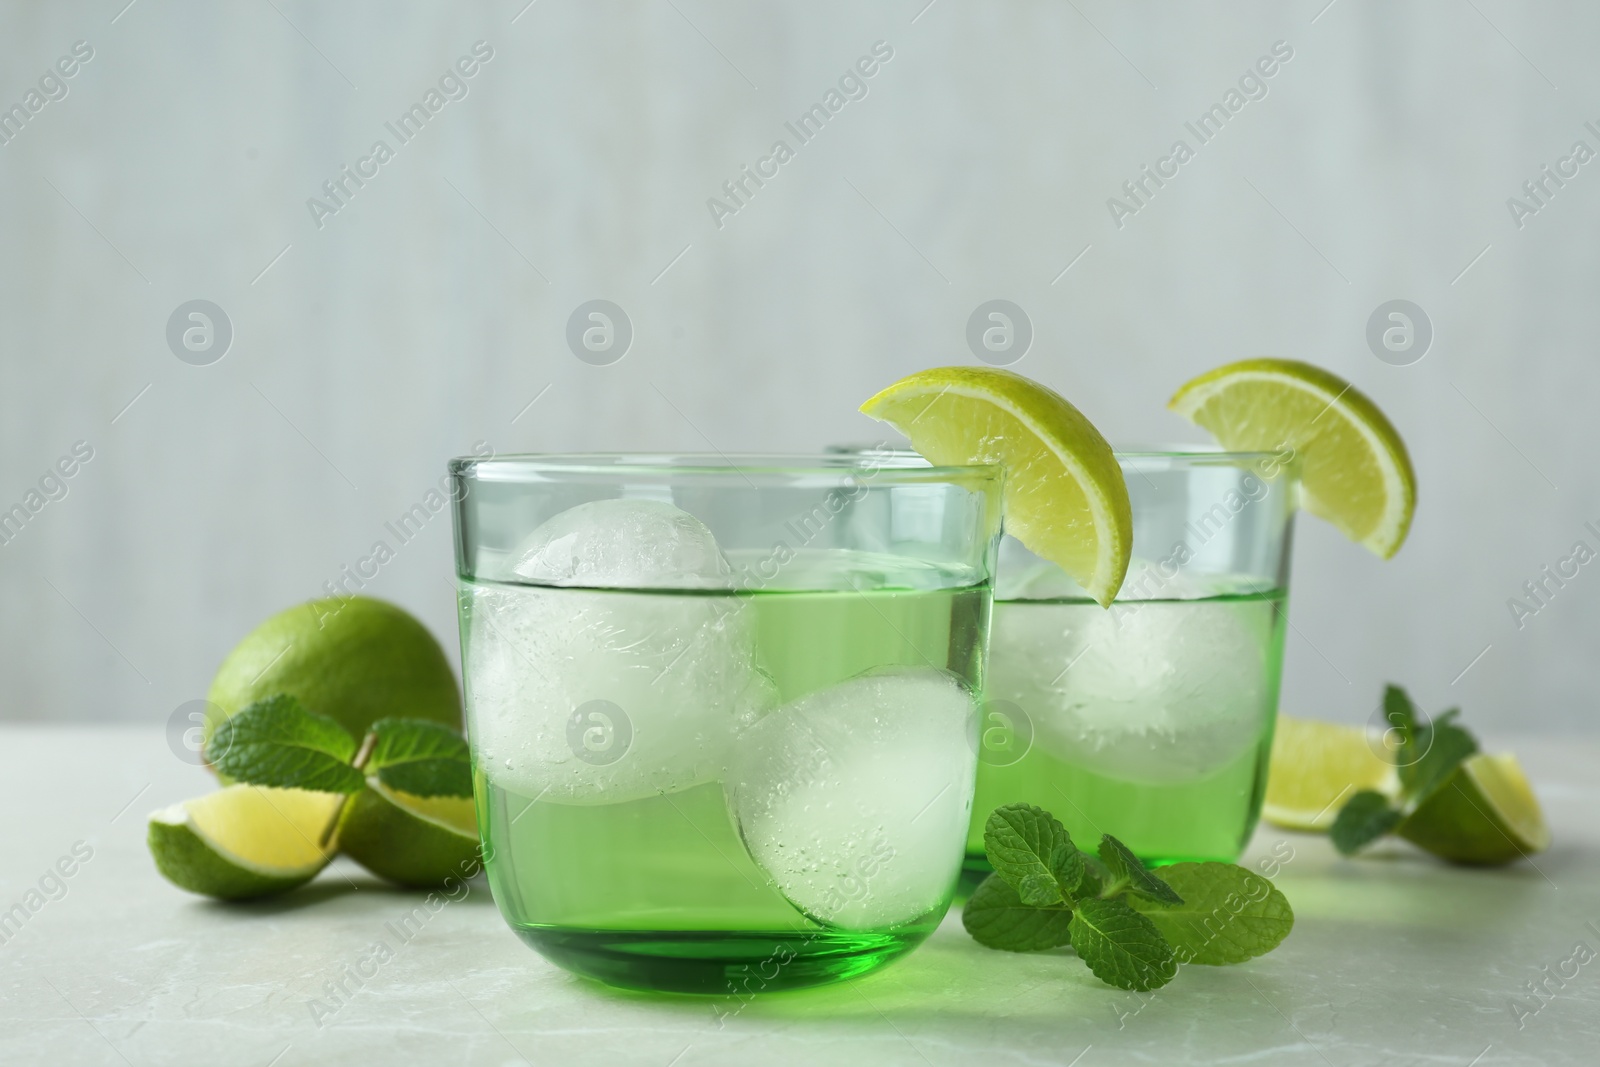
<point x="243" y="841"/>
<point x="415" y="841"/>
<point x="1064" y="496"/>
<point x="1316" y="767"/>
<point x="1485" y="814"/>
<point x="1354" y="468"/>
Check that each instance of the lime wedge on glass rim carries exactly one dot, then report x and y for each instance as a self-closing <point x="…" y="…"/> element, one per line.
<point x="1064" y="497"/>
<point x="1355" y="471"/>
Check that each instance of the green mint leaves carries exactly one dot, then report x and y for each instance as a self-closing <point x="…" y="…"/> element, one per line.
<point x="1426" y="755"/>
<point x="1126" y="870"/>
<point x="1365" y="817"/>
<point x="995" y="916"/>
<point x="1121" y="947"/>
<point x="1034" y="853"/>
<point x="422" y="758"/>
<point x="1228" y="915"/>
<point x="1130" y="926"/>
<point x="1440" y="747"/>
<point x="278" y="742"/>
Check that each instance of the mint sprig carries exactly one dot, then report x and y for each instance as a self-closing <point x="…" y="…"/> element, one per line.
<point x="1427" y="755"/>
<point x="279" y="742"/>
<point x="1129" y="925"/>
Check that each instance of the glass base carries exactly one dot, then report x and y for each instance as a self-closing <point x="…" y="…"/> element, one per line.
<point x="716" y="963"/>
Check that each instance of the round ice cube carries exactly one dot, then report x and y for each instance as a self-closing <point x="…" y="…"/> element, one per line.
<point x="604" y="694"/>
<point x="855" y="798"/>
<point x="622" y="544"/>
<point x="1152" y="692"/>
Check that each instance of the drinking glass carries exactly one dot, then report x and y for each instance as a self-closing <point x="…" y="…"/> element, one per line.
<point x="723" y="710"/>
<point x="1152" y="720"/>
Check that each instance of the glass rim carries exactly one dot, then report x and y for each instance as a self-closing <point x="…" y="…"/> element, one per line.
<point x="898" y="464"/>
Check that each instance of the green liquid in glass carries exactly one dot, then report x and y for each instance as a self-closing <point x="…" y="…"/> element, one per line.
<point x="1200" y="678"/>
<point x="660" y="893"/>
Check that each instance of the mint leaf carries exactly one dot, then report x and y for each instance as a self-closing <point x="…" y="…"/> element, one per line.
<point x="1228" y="914"/>
<point x="277" y="742"/>
<point x="1134" y="876"/>
<point x="997" y="918"/>
<point x="1441" y="746"/>
<point x="1401" y="715"/>
<point x="1095" y="876"/>
<point x="1121" y="947"/>
<point x="1029" y="848"/>
<point x="420" y="757"/>
<point x="1364" y="818"/>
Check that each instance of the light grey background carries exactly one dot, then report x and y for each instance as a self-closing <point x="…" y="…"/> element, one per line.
<point x="432" y="309"/>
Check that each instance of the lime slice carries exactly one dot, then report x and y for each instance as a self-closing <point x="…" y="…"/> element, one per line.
<point x="1485" y="813"/>
<point x="1354" y="468"/>
<point x="416" y="841"/>
<point x="1316" y="767"/>
<point x="243" y="841"/>
<point x="1064" y="494"/>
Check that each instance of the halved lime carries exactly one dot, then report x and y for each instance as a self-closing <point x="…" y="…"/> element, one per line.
<point x="1064" y="495"/>
<point x="421" y="842"/>
<point x="1316" y="766"/>
<point x="1485" y="813"/>
<point x="1355" y="471"/>
<point x="243" y="841"/>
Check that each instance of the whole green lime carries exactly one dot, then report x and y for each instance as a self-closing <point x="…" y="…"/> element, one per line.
<point x="355" y="660"/>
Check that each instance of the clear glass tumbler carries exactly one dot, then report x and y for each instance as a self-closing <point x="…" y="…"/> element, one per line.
<point x="723" y="710"/>
<point x="1151" y="720"/>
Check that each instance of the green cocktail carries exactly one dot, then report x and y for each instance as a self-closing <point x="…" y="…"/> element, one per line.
<point x="1187" y="782"/>
<point x="730" y="770"/>
<point x="675" y="899"/>
<point x="1151" y="720"/>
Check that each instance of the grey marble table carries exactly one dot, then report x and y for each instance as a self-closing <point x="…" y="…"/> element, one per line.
<point x="1395" y="959"/>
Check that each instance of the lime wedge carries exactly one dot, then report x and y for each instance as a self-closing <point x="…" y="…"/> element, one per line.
<point x="1064" y="495"/>
<point x="243" y="841"/>
<point x="1316" y="767"/>
<point x="1354" y="468"/>
<point x="1485" y="813"/>
<point x="415" y="841"/>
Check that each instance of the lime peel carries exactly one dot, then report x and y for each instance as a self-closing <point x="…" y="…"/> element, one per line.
<point x="423" y="842"/>
<point x="243" y="841"/>
<point x="1356" y="472"/>
<point x="1485" y="814"/>
<point x="1064" y="493"/>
